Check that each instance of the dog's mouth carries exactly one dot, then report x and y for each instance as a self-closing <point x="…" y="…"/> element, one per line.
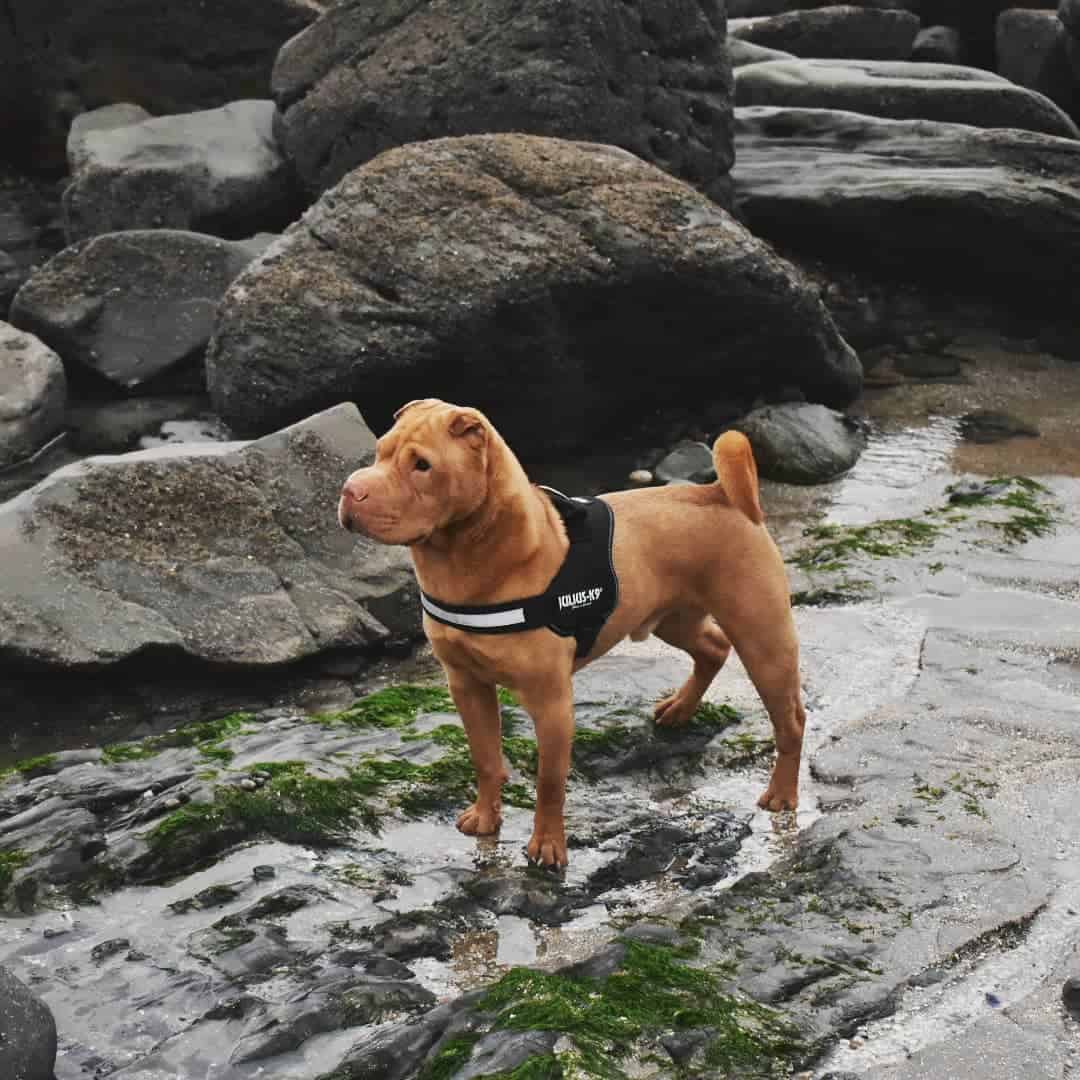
<point x="379" y="531"/>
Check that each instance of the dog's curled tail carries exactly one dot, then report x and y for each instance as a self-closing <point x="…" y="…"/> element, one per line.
<point x="736" y="474"/>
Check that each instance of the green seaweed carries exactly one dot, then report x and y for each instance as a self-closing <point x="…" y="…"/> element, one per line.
<point x="10" y="861"/>
<point x="653" y="991"/>
<point x="206" y="736"/>
<point x="392" y="707"/>
<point x="450" y="1059"/>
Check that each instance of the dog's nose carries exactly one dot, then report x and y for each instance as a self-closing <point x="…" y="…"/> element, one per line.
<point x="353" y="491"/>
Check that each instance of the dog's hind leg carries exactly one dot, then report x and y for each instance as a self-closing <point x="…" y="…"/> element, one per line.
<point x="699" y="635"/>
<point x="766" y="644"/>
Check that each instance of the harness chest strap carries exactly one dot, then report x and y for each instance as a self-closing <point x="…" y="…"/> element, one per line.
<point x="578" y="600"/>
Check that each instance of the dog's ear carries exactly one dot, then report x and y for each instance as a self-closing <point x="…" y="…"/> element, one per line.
<point x="471" y="425"/>
<point x="418" y="401"/>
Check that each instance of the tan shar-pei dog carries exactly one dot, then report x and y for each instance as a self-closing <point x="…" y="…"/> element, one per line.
<point x="522" y="587"/>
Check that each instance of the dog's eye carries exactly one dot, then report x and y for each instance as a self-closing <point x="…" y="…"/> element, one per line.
<point x="422" y="464"/>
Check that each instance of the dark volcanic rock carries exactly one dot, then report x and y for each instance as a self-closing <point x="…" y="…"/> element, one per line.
<point x="176" y="58"/>
<point x="902" y="91"/>
<point x="910" y="186"/>
<point x="802" y="444"/>
<point x="864" y="33"/>
<point x="221" y="552"/>
<point x="217" y="171"/>
<point x="1070" y="994"/>
<point x="27" y="1033"/>
<point x="133" y="306"/>
<point x="990" y="426"/>
<point x="502" y="270"/>
<point x="939" y="45"/>
<point x="33" y="392"/>
<point x="651" y="77"/>
<point x="739" y="9"/>
<point x="113" y="427"/>
<point x="1032" y="51"/>
<point x="500" y="1052"/>
<point x="690" y="462"/>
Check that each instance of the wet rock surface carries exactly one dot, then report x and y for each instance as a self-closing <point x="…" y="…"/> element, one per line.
<point x="922" y="889"/>
<point x="505" y="269"/>
<point x="113" y="557"/>
<point x="217" y="171"/>
<point x="652" y="78"/>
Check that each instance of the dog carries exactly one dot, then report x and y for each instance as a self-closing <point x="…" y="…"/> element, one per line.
<point x="693" y="564"/>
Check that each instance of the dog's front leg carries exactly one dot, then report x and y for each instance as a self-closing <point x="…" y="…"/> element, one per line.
<point x="551" y="707"/>
<point x="478" y="704"/>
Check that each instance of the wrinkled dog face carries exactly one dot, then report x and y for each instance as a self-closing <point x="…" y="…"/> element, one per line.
<point x="430" y="471"/>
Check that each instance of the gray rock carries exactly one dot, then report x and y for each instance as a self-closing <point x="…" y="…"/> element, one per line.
<point x="501" y="1052"/>
<point x="516" y="297"/>
<point x="1069" y="14"/>
<point x="991" y="426"/>
<point x="902" y="90"/>
<point x="939" y="45"/>
<point x="333" y="1006"/>
<point x="106" y="118"/>
<point x="226" y="553"/>
<point x="802" y="444"/>
<point x="133" y="306"/>
<point x="742" y="53"/>
<point x="218" y="171"/>
<point x="690" y="462"/>
<point x="1031" y="51"/>
<point x="863" y="33"/>
<point x="170" y="59"/>
<point x="651" y="77"/>
<point x="33" y="393"/>
<point x="1010" y="242"/>
<point x="27" y="1032"/>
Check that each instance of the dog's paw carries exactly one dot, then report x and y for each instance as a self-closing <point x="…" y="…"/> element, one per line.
<point x="775" y="801"/>
<point x="479" y="820"/>
<point x="547" y="849"/>
<point x="674" y="711"/>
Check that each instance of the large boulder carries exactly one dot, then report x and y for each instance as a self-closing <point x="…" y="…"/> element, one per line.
<point x="219" y="171"/>
<point x="652" y="77"/>
<point x="223" y="553"/>
<point x="565" y="287"/>
<point x="169" y="58"/>
<point x="1032" y="52"/>
<point x="841" y="31"/>
<point x="903" y="91"/>
<point x="133" y="306"/>
<point x="33" y="393"/>
<point x="991" y="212"/>
<point x="27" y="1032"/>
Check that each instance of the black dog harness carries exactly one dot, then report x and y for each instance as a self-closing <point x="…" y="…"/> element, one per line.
<point x="580" y="597"/>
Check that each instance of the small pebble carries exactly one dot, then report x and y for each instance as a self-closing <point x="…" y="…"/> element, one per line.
<point x="263" y="873"/>
<point x="855" y="1043"/>
<point x="50" y="932"/>
<point x="640" y="476"/>
<point x="992" y="1000"/>
<point x="149" y="793"/>
<point x="260" y="775"/>
<point x="1070" y="994"/>
<point x="171" y="804"/>
<point x="248" y="785"/>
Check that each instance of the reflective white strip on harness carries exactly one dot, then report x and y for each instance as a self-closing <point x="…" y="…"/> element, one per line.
<point x="511" y="617"/>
